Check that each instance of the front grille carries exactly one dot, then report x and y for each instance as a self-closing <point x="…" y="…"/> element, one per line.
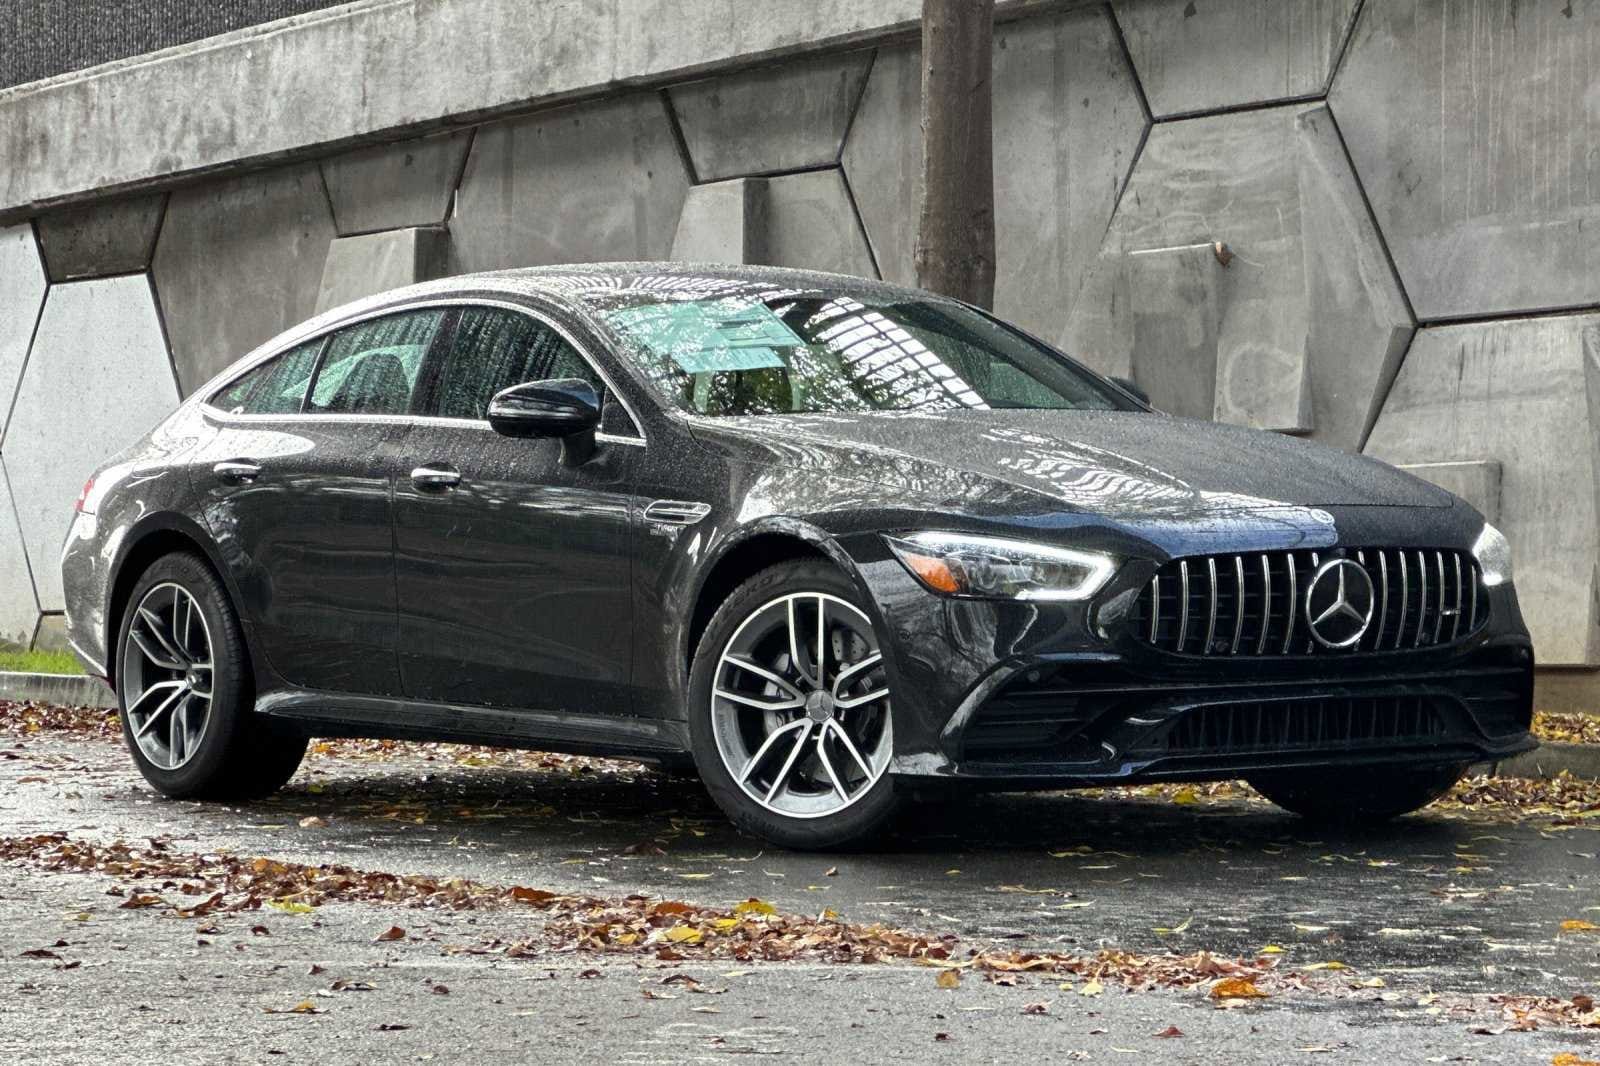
<point x="1253" y="604"/>
<point x="1290" y="725"/>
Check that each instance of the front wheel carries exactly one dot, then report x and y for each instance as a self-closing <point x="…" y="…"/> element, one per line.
<point x="790" y="710"/>
<point x="183" y="684"/>
<point x="1358" y="796"/>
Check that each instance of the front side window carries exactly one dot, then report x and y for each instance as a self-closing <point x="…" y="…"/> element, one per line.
<point x="749" y="351"/>
<point x="494" y="349"/>
<point x="276" y="387"/>
<point x="372" y="368"/>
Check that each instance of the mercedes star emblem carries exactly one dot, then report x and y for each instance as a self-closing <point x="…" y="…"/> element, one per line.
<point x="1339" y="603"/>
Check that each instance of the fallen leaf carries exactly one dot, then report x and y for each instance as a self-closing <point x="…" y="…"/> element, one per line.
<point x="1332" y="964"/>
<point x="290" y="906"/>
<point x="1036" y="1008"/>
<point x="1567" y="1058"/>
<point x="755" y="906"/>
<point x="531" y="895"/>
<point x="394" y="932"/>
<point x="1185" y="797"/>
<point x="948" y="979"/>
<point x="683" y="934"/>
<point x="1169" y="1032"/>
<point x="312" y="822"/>
<point x="1091" y="988"/>
<point x="1236" y="988"/>
<point x="1571" y="925"/>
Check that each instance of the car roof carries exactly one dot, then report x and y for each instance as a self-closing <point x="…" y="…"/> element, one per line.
<point x="569" y="284"/>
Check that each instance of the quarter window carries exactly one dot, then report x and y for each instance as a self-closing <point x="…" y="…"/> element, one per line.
<point x="372" y="368"/>
<point x="276" y="387"/>
<point x="494" y="350"/>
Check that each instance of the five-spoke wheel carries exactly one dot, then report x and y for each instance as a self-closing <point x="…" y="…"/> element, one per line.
<point x="185" y="684"/>
<point x="167" y="674"/>
<point x="796" y="708"/>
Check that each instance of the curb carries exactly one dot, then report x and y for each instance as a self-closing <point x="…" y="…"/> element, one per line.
<point x="64" y="690"/>
<point x="1551" y="758"/>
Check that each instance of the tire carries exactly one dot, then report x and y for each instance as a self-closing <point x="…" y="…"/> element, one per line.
<point x="830" y="793"/>
<point x="1357" y="797"/>
<point x="178" y="618"/>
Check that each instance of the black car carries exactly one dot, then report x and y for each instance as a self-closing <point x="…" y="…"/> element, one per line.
<point x="829" y="541"/>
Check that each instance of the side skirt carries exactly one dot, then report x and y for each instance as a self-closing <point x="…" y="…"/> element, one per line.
<point x="332" y="714"/>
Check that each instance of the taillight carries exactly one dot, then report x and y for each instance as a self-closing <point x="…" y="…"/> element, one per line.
<point x="83" y="497"/>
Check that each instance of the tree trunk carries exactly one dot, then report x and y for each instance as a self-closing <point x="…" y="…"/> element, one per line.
<point x="955" y="235"/>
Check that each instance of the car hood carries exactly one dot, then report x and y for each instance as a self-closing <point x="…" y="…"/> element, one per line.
<point x="1123" y="464"/>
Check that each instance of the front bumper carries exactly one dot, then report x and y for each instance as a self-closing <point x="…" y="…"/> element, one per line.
<point x="1019" y="695"/>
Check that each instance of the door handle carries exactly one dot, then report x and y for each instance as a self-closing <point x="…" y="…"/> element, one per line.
<point x="442" y="476"/>
<point x="236" y="472"/>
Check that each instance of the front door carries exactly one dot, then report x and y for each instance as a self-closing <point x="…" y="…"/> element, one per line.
<point x="513" y="564"/>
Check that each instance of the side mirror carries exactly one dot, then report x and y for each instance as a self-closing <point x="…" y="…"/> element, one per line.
<point x="568" y="408"/>
<point x="1127" y="386"/>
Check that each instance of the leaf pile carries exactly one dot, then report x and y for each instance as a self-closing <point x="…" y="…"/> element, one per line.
<point x="30" y="719"/>
<point x="1564" y="797"/>
<point x="1566" y="728"/>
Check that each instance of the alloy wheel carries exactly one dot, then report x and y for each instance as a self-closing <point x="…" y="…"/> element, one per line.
<point x="168" y="676"/>
<point x="800" y="706"/>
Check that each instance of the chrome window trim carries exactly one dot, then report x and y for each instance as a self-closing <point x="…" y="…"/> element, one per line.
<point x="453" y="301"/>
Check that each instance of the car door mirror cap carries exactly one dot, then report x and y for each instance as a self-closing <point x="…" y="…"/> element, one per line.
<point x="558" y="407"/>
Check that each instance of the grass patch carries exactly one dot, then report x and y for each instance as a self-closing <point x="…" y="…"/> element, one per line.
<point x="40" y="662"/>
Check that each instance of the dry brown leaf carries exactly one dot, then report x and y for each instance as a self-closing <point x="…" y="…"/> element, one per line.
<point x="1236" y="988"/>
<point x="948" y="979"/>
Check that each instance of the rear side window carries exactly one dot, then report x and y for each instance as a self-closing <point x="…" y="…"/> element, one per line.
<point x="276" y="387"/>
<point x="372" y="368"/>
<point x="494" y="349"/>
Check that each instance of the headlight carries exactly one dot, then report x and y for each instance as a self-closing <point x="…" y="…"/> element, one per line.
<point x="1493" y="553"/>
<point x="992" y="568"/>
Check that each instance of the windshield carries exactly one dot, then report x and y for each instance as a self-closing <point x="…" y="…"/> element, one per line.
<point x="799" y="351"/>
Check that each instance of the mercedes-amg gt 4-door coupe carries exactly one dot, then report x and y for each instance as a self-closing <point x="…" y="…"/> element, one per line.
<point x="832" y="543"/>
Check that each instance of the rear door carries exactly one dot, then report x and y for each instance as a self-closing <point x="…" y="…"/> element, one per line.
<point x="513" y="565"/>
<point x="301" y="479"/>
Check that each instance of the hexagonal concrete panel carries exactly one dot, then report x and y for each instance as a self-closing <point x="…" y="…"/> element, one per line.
<point x="811" y="224"/>
<point x="371" y="263"/>
<point x="97" y="379"/>
<point x="19" y="607"/>
<point x="1472" y="132"/>
<point x="1195" y="57"/>
<point x="239" y="261"/>
<point x="586" y="183"/>
<point x="1298" y="312"/>
<point x="1067" y="123"/>
<point x="773" y="119"/>
<point x="103" y="238"/>
<point x="22" y="286"/>
<point x="1523" y="394"/>
<point x="390" y="186"/>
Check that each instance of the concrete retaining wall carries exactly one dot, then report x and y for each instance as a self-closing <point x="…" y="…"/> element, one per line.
<point x="1324" y="217"/>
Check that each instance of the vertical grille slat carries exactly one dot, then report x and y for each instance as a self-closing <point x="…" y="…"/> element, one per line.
<point x="1211" y="617"/>
<point x="1266" y="604"/>
<point x="1253" y="604"/>
<point x="1294" y="604"/>
<point x="1421" y="597"/>
<point x="1183" y="595"/>
<point x="1238" y="606"/>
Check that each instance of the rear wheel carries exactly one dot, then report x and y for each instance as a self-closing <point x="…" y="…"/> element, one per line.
<point x="1357" y="797"/>
<point x="183" y="684"/>
<point x="790" y="714"/>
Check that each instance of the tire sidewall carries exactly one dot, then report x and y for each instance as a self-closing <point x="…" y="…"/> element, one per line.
<point x="855" y="823"/>
<point x="229" y="701"/>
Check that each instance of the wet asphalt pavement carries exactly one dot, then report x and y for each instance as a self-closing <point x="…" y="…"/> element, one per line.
<point x="1442" y="902"/>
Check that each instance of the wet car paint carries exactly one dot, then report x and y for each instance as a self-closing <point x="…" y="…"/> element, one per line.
<point x="491" y="613"/>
